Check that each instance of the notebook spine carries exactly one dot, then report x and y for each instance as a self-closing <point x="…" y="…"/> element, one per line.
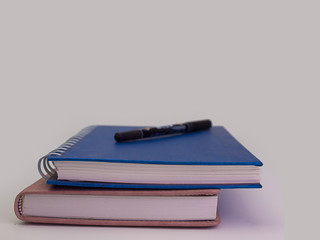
<point x="47" y="169"/>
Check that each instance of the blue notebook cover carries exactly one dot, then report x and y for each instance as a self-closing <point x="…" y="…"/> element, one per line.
<point x="215" y="146"/>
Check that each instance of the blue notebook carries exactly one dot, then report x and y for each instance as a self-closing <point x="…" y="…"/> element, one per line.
<point x="205" y="159"/>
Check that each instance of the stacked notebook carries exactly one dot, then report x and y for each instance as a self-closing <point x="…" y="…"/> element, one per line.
<point x="166" y="181"/>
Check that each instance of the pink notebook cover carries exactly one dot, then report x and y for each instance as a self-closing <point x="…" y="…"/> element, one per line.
<point x="40" y="187"/>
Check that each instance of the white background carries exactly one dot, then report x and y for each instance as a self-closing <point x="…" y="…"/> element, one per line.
<point x="252" y="66"/>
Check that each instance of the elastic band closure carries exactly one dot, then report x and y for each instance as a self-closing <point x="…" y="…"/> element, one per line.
<point x="47" y="169"/>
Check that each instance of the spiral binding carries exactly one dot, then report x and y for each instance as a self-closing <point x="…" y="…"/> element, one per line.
<point x="20" y="205"/>
<point x="43" y="163"/>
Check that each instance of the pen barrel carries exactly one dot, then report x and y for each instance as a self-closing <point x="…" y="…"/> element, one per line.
<point x="198" y="125"/>
<point x="165" y="130"/>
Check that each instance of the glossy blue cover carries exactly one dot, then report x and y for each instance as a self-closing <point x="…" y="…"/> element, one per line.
<point x="208" y="147"/>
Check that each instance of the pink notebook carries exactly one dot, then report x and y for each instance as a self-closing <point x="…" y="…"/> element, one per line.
<point x="43" y="203"/>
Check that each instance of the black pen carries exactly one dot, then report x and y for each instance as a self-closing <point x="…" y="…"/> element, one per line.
<point x="165" y="130"/>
